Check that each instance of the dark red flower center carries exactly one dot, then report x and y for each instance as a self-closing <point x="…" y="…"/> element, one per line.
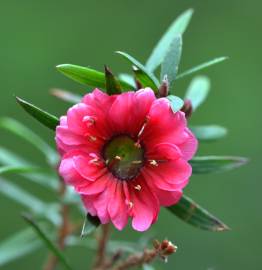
<point x="124" y="157"/>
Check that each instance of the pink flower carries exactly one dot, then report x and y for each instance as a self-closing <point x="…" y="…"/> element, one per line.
<point x="126" y="155"/>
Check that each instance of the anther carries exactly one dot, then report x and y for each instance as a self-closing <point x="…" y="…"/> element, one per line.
<point x="92" y="138"/>
<point x="90" y="120"/>
<point x="153" y="162"/>
<point x="137" y="161"/>
<point x="118" y="158"/>
<point x="138" y="187"/>
<point x="130" y="205"/>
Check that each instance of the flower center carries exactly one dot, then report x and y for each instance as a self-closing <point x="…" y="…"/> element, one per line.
<point x="124" y="158"/>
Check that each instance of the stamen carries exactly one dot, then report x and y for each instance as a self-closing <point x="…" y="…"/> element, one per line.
<point x="137" y="161"/>
<point x="154" y="163"/>
<point x="118" y="157"/>
<point x="92" y="138"/>
<point x="130" y="205"/>
<point x="143" y="127"/>
<point x="90" y="120"/>
<point x="138" y="187"/>
<point x="137" y="144"/>
<point x="95" y="160"/>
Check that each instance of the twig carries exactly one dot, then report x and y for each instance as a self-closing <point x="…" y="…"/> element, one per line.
<point x="63" y="230"/>
<point x="101" y="250"/>
<point x="161" y="250"/>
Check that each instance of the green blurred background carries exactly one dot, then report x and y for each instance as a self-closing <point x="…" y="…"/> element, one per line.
<point x="37" y="35"/>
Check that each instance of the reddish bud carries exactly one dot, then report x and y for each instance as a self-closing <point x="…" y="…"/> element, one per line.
<point x="164" y="87"/>
<point x="187" y="108"/>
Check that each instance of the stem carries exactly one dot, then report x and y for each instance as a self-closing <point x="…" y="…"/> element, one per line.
<point x="63" y="230"/>
<point x="101" y="251"/>
<point x="138" y="259"/>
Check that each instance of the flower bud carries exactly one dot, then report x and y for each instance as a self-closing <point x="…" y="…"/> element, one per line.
<point x="187" y="108"/>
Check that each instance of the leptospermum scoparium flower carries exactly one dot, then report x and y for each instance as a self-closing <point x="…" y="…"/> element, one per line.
<point x="126" y="155"/>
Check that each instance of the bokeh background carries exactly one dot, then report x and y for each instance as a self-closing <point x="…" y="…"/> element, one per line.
<point x="37" y="35"/>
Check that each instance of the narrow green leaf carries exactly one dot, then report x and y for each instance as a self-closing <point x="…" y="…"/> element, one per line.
<point x="90" y="224"/>
<point x="42" y="116"/>
<point x="148" y="267"/>
<point x="150" y="78"/>
<point x="9" y="158"/>
<point x="194" y="214"/>
<point x="51" y="247"/>
<point x="128" y="79"/>
<point x="177" y="27"/>
<point x="25" y="133"/>
<point x="87" y="76"/>
<point x="18" y="169"/>
<point x="66" y="95"/>
<point x="214" y="164"/>
<point x="142" y="79"/>
<point x="112" y="85"/>
<point x="171" y="61"/>
<point x="198" y="90"/>
<point x="29" y="201"/>
<point x="18" y="245"/>
<point x="201" y="66"/>
<point x="176" y="103"/>
<point x="209" y="133"/>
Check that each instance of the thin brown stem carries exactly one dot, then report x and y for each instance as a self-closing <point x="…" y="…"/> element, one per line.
<point x="136" y="260"/>
<point x="101" y="249"/>
<point x="63" y="230"/>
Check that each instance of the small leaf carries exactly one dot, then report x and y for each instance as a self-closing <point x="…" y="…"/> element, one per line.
<point x="66" y="95"/>
<point x="112" y="85"/>
<point x="194" y="214"/>
<point x="176" y="103"/>
<point x="197" y="91"/>
<point x="90" y="224"/>
<point x="17" y="169"/>
<point x="142" y="79"/>
<point x="9" y="158"/>
<point x="201" y="66"/>
<point x="42" y="116"/>
<point x="18" y="245"/>
<point x="177" y="27"/>
<point x="28" y="200"/>
<point x="149" y="77"/>
<point x="87" y="76"/>
<point x="171" y="61"/>
<point x="128" y="79"/>
<point x="25" y="133"/>
<point x="214" y="164"/>
<point x="209" y="133"/>
<point x="51" y="247"/>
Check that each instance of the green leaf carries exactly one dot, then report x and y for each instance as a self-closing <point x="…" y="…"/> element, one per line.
<point x="215" y="164"/>
<point x="201" y="66"/>
<point x="42" y="116"/>
<point x="198" y="90"/>
<point x="17" y="169"/>
<point x="18" y="245"/>
<point x="128" y="79"/>
<point x="66" y="95"/>
<point x="51" y="247"/>
<point x="194" y="214"/>
<point x="112" y="85"/>
<point x="148" y="267"/>
<point x="9" y="158"/>
<point x="177" y="27"/>
<point x="171" y="61"/>
<point x="29" y="201"/>
<point x="209" y="133"/>
<point x="25" y="133"/>
<point x="148" y="77"/>
<point x="87" y="76"/>
<point x="90" y="224"/>
<point x="176" y="103"/>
